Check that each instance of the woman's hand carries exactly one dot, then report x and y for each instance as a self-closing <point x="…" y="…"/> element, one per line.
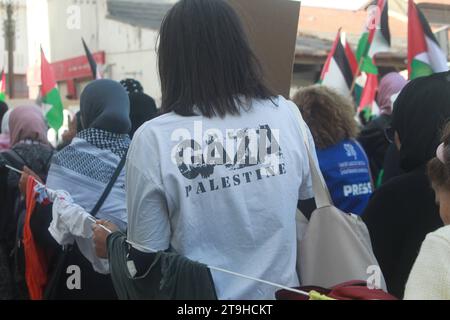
<point x="27" y="172"/>
<point x="100" y="236"/>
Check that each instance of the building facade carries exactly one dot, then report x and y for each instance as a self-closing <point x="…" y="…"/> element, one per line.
<point x="113" y="31"/>
<point x="20" y="53"/>
<point x="318" y="27"/>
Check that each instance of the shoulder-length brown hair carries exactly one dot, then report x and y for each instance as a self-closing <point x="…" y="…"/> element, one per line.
<point x="329" y="115"/>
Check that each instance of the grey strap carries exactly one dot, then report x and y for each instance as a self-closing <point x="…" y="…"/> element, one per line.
<point x="320" y="189"/>
<point x="109" y="187"/>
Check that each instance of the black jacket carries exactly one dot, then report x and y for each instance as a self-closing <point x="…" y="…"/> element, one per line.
<point x="374" y="141"/>
<point x="399" y="216"/>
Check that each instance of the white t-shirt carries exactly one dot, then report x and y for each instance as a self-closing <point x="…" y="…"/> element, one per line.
<point x="222" y="191"/>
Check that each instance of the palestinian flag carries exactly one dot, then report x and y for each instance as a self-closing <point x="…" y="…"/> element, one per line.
<point x="376" y="37"/>
<point x="92" y="63"/>
<point x="353" y="61"/>
<point x="3" y="86"/>
<point x="50" y="95"/>
<point x="369" y="93"/>
<point x="337" y="72"/>
<point x="351" y="57"/>
<point x="425" y="56"/>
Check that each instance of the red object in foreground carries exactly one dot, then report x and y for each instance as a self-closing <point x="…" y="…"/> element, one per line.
<point x="352" y="290"/>
<point x="36" y="262"/>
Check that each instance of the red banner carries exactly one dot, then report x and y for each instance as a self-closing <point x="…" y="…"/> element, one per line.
<point x="76" y="68"/>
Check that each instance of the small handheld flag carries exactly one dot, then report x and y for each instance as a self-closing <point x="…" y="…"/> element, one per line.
<point x="93" y="64"/>
<point x="337" y="72"/>
<point x="50" y="95"/>
<point x="425" y="56"/>
<point x="375" y="39"/>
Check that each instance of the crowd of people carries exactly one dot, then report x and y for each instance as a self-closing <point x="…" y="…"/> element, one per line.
<point x="144" y="201"/>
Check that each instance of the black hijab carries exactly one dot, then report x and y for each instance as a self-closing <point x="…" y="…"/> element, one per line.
<point x="420" y="113"/>
<point x="132" y="86"/>
<point x="143" y="109"/>
<point x="105" y="105"/>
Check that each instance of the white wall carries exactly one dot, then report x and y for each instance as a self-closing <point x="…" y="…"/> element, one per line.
<point x="38" y="35"/>
<point x="130" y="51"/>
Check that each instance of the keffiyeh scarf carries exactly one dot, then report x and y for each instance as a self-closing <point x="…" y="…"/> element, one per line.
<point x="84" y="169"/>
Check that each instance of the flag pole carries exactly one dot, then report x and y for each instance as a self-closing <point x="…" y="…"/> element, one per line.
<point x="358" y="70"/>
<point x="56" y="136"/>
<point x="355" y="76"/>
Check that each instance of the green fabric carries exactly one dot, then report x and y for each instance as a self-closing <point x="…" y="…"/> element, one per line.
<point x="367" y="113"/>
<point x="363" y="46"/>
<point x="2" y="96"/>
<point x="358" y="94"/>
<point x="420" y="69"/>
<point x="368" y="66"/>
<point x="380" y="179"/>
<point x="55" y="116"/>
<point x="170" y="276"/>
<point x="362" y="55"/>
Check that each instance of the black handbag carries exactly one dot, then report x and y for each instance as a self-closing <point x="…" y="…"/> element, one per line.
<point x="98" y="286"/>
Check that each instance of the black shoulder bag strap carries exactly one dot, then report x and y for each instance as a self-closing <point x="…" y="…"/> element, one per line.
<point x="109" y="187"/>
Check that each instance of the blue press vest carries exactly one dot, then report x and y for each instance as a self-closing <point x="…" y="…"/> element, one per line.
<point x="345" y="168"/>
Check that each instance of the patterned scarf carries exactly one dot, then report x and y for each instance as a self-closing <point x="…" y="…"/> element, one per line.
<point x="85" y="167"/>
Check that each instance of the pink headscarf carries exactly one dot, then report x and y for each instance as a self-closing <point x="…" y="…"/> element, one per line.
<point x="391" y="84"/>
<point x="27" y="123"/>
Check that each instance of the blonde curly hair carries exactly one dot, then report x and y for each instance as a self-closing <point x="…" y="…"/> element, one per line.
<point x="329" y="115"/>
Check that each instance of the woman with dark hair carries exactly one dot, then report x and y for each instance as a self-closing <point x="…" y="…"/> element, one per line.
<point x="142" y="106"/>
<point x="217" y="177"/>
<point x="142" y="109"/>
<point x="342" y="160"/>
<point x="373" y="136"/>
<point x="403" y="211"/>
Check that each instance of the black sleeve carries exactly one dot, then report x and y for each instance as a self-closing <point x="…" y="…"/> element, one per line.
<point x="307" y="207"/>
<point x="391" y="164"/>
<point x="382" y="219"/>
<point x="39" y="222"/>
<point x="7" y="199"/>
